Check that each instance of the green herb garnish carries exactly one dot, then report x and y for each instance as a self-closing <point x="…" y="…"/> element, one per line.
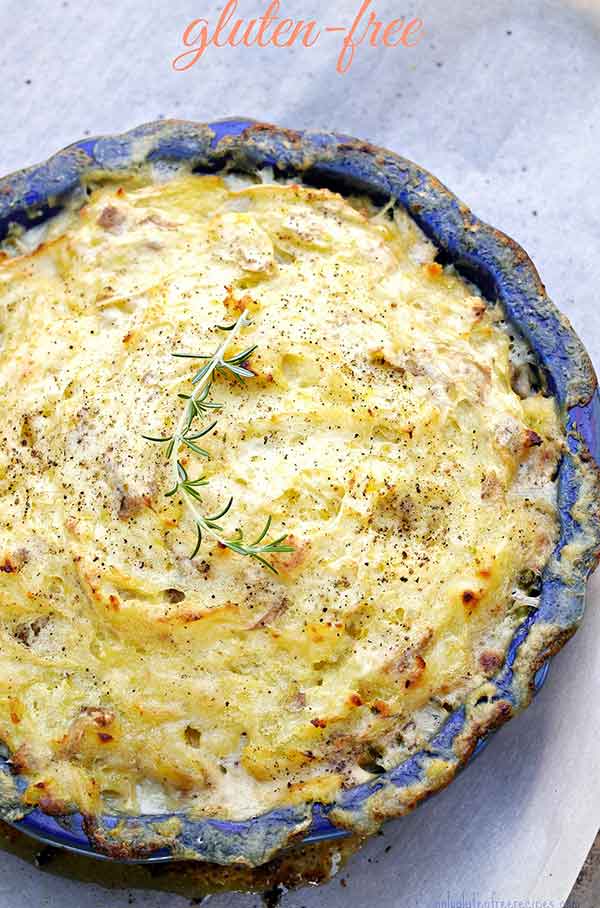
<point x="187" y="435"/>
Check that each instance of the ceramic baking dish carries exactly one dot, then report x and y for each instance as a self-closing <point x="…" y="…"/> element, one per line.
<point x="503" y="272"/>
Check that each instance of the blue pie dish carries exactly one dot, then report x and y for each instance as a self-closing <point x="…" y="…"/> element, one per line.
<point x="504" y="273"/>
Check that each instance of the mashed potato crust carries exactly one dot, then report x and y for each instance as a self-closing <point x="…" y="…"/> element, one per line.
<point x="390" y="430"/>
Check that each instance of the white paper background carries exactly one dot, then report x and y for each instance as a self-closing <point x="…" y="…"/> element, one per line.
<point x="501" y="101"/>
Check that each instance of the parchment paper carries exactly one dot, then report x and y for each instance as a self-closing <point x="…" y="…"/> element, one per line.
<point x="501" y="101"/>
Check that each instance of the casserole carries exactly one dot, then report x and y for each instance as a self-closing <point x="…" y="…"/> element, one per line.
<point x="501" y="272"/>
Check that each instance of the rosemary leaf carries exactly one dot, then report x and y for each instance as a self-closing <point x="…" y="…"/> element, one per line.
<point x="198" y="541"/>
<point x="160" y="440"/>
<point x="194" y="447"/>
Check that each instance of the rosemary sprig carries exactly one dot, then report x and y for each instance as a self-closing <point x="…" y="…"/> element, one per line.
<point x="197" y="405"/>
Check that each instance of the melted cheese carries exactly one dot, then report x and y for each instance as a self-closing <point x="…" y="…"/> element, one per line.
<point x="381" y="432"/>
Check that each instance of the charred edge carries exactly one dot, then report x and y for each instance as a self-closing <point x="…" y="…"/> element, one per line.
<point x="119" y="849"/>
<point x="476" y="728"/>
<point x="538" y="659"/>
